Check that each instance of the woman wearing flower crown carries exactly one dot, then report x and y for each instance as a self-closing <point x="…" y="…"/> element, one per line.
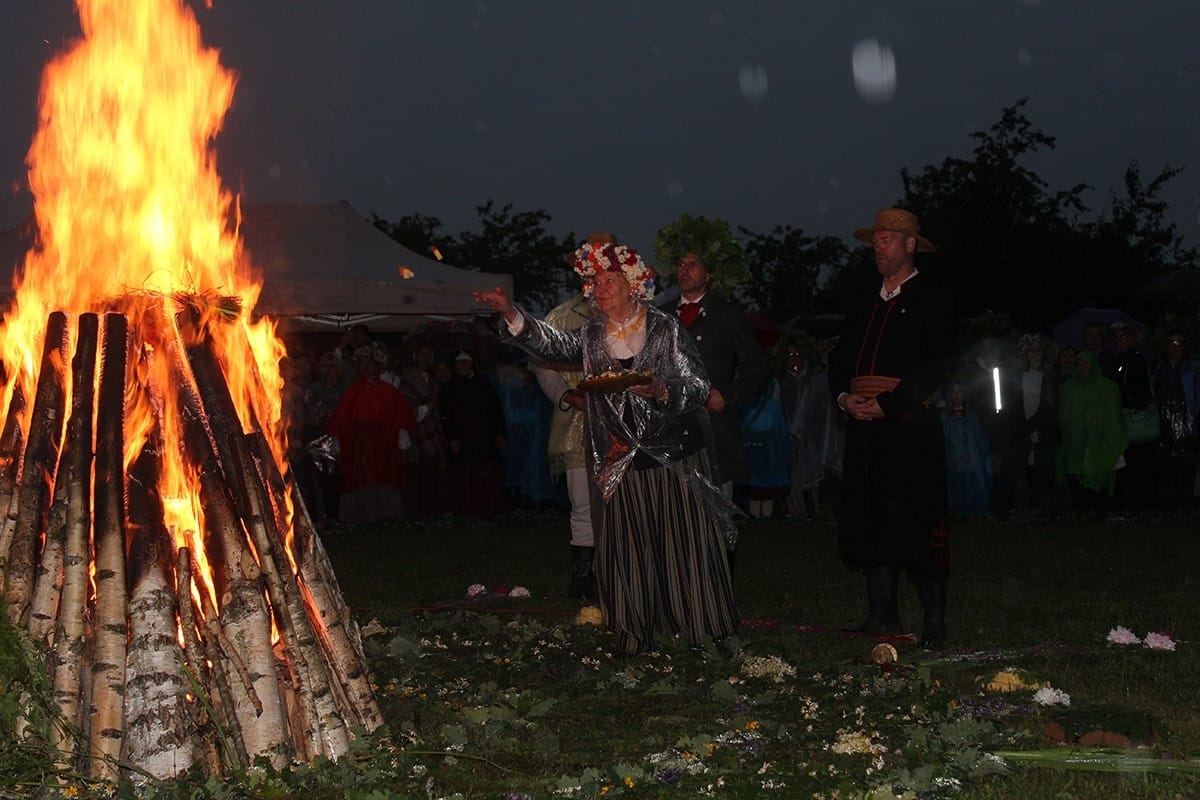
<point x="661" y="523"/>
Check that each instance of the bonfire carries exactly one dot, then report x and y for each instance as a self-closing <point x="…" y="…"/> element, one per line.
<point x="154" y="544"/>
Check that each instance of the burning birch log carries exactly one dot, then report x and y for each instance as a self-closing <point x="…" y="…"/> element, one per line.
<point x="11" y="445"/>
<point x="37" y="471"/>
<point x="73" y="478"/>
<point x="327" y="730"/>
<point x="218" y="729"/>
<point x="159" y="726"/>
<point x="106" y="715"/>
<point x="244" y="618"/>
<point x="337" y="628"/>
<point x="75" y="474"/>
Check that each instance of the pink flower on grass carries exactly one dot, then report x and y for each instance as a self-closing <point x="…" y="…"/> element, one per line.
<point x="519" y="592"/>
<point x="1122" y="635"/>
<point x="1159" y="641"/>
<point x="476" y="589"/>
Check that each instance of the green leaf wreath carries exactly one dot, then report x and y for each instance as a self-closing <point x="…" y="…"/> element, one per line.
<point x="713" y="243"/>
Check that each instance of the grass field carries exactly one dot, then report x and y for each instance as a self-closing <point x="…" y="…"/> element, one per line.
<point x="496" y="697"/>
<point x="1040" y="598"/>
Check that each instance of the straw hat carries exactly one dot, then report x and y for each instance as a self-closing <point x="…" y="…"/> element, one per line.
<point x="900" y="221"/>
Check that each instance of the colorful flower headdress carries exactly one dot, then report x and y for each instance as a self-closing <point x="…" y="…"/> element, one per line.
<point x="592" y="259"/>
<point x="712" y="241"/>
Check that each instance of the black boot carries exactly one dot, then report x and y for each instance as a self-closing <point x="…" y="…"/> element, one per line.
<point x="883" y="612"/>
<point x="932" y="589"/>
<point x="583" y="577"/>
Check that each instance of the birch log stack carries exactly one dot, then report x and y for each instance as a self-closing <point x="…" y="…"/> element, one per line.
<point x="152" y="670"/>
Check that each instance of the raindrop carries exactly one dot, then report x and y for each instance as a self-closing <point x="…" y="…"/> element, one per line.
<point x="716" y="18"/>
<point x="1024" y="58"/>
<point x="1114" y="62"/>
<point x="874" y="68"/>
<point x="481" y="127"/>
<point x="674" y="188"/>
<point x="752" y="80"/>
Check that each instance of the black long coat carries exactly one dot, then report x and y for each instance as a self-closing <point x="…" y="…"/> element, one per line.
<point x="736" y="367"/>
<point x="894" y="482"/>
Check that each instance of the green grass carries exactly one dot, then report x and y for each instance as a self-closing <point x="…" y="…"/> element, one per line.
<point x="1042" y="597"/>
<point x="498" y="698"/>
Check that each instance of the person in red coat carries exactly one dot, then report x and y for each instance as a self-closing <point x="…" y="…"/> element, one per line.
<point x="371" y="422"/>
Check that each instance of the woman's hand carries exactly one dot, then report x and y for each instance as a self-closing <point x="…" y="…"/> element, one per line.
<point x="496" y="300"/>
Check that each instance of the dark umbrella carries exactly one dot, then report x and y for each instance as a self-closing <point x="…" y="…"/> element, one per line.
<point x="1070" y="329"/>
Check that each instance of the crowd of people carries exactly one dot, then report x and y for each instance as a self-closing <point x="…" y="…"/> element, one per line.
<point x="372" y="437"/>
<point x="1109" y="430"/>
<point x="657" y="422"/>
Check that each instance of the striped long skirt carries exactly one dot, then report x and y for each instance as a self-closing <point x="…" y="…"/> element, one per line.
<point x="661" y="566"/>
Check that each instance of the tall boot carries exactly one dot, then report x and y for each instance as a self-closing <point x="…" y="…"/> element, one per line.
<point x="932" y="590"/>
<point x="883" y="611"/>
<point x="583" y="576"/>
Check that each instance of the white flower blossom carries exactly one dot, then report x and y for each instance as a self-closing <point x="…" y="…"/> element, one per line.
<point x="1122" y="635"/>
<point x="1159" y="641"/>
<point x="1049" y="696"/>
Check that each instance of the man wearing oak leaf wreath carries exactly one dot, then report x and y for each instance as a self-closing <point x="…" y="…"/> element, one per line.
<point x="891" y="357"/>
<point x="660" y="523"/>
<point x="706" y="261"/>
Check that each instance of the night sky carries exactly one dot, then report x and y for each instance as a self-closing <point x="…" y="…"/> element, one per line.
<point x="623" y="115"/>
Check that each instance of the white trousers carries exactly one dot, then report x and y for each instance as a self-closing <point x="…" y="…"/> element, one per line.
<point x="578" y="491"/>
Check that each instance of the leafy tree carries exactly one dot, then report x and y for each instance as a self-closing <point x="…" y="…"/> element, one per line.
<point x="1006" y="240"/>
<point x="517" y="243"/>
<point x="419" y="233"/>
<point x="1133" y="242"/>
<point x="786" y="267"/>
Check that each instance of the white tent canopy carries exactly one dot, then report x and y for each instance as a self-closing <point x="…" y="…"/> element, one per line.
<point x="323" y="266"/>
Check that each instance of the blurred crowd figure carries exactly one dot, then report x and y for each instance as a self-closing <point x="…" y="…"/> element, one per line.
<point x="1034" y="430"/>
<point x="1108" y="430"/>
<point x="969" y="463"/>
<point x="372" y="423"/>
<point x="375" y="435"/>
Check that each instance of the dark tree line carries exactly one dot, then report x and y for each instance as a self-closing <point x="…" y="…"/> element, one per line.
<point x="507" y="242"/>
<point x="1007" y="241"/>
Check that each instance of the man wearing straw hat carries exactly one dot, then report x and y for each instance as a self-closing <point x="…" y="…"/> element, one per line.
<point x="892" y="356"/>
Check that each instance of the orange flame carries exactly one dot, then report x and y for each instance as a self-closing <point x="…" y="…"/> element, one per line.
<point x="128" y="201"/>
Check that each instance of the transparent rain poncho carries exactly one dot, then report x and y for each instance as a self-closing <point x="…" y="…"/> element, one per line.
<point x="620" y="425"/>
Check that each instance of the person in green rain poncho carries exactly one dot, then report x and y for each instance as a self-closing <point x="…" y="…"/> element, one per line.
<point x="1093" y="439"/>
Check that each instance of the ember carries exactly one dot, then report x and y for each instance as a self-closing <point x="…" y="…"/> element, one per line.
<point x="154" y="541"/>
